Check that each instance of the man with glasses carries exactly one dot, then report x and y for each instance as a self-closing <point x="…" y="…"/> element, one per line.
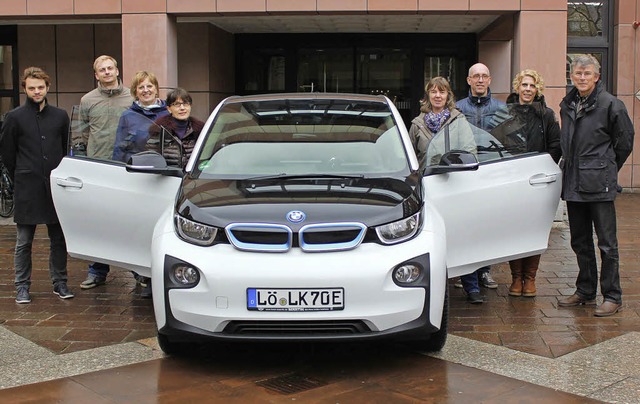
<point x="95" y="133"/>
<point x="483" y="112"/>
<point x="596" y="139"/>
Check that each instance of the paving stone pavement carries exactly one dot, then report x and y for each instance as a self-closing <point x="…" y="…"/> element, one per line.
<point x="537" y="325"/>
<point x="100" y="345"/>
<point x="115" y="313"/>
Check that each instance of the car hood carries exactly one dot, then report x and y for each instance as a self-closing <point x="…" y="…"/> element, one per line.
<point x="372" y="201"/>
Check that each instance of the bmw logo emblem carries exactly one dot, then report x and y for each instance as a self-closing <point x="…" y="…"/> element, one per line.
<point x="296" y="216"/>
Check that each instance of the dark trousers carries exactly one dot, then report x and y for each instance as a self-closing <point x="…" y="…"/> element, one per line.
<point x="583" y="218"/>
<point x="57" y="254"/>
<point x="99" y="269"/>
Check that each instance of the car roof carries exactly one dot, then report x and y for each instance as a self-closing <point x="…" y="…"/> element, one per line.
<point x="308" y="96"/>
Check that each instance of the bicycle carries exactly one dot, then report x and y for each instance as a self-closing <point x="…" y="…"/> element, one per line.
<point x="6" y="192"/>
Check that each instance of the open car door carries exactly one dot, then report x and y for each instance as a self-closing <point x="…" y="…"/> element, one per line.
<point x="108" y="214"/>
<point x="501" y="211"/>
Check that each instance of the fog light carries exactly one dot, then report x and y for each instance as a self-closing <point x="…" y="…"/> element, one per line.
<point x="185" y="275"/>
<point x="407" y="273"/>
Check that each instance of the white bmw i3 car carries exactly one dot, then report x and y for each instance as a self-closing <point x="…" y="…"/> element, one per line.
<point x="306" y="217"/>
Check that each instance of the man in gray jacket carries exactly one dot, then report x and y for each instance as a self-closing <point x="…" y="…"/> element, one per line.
<point x="596" y="139"/>
<point x="94" y="134"/>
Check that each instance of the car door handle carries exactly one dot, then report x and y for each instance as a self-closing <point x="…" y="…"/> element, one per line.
<point x="543" y="179"/>
<point x="69" y="182"/>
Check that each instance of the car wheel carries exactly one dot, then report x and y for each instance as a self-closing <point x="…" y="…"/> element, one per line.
<point x="170" y="347"/>
<point x="436" y="341"/>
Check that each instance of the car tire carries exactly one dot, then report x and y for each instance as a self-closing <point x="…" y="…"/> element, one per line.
<point x="171" y="347"/>
<point x="436" y="341"/>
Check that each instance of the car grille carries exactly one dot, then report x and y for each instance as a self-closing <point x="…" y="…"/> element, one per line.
<point x="302" y="328"/>
<point x="280" y="238"/>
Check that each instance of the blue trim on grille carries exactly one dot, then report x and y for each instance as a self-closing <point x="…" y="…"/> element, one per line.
<point x="284" y="247"/>
<point x="348" y="245"/>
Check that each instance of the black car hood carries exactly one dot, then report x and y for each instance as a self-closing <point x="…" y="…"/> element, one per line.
<point x="372" y="201"/>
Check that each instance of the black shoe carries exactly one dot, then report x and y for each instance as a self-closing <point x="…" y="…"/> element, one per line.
<point x="22" y="295"/>
<point x="62" y="290"/>
<point x="475" y="298"/>
<point x="146" y="291"/>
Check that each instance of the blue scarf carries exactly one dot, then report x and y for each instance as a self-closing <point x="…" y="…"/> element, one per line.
<point x="434" y="121"/>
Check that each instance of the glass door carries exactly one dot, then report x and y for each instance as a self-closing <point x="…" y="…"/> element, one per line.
<point x="9" y="82"/>
<point x="323" y="70"/>
<point x="386" y="71"/>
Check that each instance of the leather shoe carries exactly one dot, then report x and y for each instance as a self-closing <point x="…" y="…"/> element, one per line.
<point x="575" y="300"/>
<point x="607" y="308"/>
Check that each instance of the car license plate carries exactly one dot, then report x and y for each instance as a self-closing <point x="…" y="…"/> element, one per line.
<point x="295" y="299"/>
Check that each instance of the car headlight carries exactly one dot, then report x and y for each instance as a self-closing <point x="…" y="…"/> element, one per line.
<point x="194" y="232"/>
<point x="399" y="231"/>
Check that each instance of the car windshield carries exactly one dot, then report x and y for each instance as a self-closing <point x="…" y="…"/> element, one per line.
<point x="299" y="137"/>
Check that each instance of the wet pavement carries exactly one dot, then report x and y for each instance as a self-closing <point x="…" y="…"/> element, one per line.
<point x="100" y="345"/>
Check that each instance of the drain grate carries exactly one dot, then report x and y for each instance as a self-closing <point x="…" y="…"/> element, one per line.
<point x="290" y="383"/>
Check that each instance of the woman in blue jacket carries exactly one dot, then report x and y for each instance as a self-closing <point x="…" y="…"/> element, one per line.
<point x="133" y="128"/>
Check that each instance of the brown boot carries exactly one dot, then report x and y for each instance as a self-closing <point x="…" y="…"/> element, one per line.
<point x="516" y="275"/>
<point x="529" y="269"/>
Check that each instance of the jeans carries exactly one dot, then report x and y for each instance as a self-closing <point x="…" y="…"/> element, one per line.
<point x="470" y="282"/>
<point x="57" y="254"/>
<point x="483" y="270"/>
<point x="583" y="218"/>
<point x="99" y="269"/>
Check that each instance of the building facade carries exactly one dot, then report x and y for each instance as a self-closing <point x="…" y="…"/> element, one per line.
<point x="217" y="48"/>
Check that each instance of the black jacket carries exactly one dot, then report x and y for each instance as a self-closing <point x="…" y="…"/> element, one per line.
<point x="33" y="143"/>
<point x="175" y="150"/>
<point x="530" y="128"/>
<point x="595" y="143"/>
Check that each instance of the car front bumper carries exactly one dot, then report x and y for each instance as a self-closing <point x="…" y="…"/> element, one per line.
<point x="374" y="305"/>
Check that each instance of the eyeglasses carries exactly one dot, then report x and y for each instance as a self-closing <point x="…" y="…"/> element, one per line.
<point x="484" y="77"/>
<point x="181" y="104"/>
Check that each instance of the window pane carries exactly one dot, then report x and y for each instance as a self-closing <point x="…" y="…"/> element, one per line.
<point x="263" y="70"/>
<point x="6" y="62"/>
<point x="386" y="71"/>
<point x="325" y="70"/>
<point x="584" y="18"/>
<point x="449" y="68"/>
<point x="6" y="105"/>
<point x="598" y="55"/>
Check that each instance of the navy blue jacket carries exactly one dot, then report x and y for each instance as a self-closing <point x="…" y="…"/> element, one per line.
<point x="133" y="129"/>
<point x="483" y="112"/>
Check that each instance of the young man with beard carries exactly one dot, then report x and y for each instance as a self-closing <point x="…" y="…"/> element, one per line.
<point x="33" y="142"/>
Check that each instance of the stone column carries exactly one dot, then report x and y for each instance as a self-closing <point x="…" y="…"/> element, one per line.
<point x="149" y="42"/>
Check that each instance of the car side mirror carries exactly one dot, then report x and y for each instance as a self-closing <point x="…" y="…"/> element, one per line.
<point x="454" y="160"/>
<point x="151" y="162"/>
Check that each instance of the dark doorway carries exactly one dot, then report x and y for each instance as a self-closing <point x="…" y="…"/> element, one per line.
<point x="394" y="65"/>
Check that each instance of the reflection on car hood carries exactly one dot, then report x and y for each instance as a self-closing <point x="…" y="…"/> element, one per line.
<point x="372" y="201"/>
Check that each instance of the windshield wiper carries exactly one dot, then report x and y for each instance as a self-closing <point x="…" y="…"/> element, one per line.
<point x="285" y="176"/>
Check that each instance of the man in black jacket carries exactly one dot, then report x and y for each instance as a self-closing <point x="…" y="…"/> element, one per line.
<point x="33" y="141"/>
<point x="597" y="137"/>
